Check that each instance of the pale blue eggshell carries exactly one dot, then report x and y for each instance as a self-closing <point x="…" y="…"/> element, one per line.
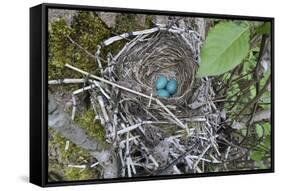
<point x="163" y="93"/>
<point x="172" y="86"/>
<point x="161" y="82"/>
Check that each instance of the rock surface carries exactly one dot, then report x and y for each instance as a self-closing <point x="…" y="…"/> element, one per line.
<point x="108" y="18"/>
<point x="56" y="14"/>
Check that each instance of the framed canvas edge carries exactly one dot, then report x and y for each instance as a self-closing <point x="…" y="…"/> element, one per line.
<point x="43" y="75"/>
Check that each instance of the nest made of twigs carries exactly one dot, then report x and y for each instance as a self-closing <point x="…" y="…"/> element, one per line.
<point x="163" y="53"/>
<point x="173" y="54"/>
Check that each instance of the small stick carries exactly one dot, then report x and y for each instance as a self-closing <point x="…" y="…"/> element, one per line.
<point x="189" y="162"/>
<point x="196" y="157"/>
<point x="175" y="118"/>
<point x="122" y="143"/>
<point x="131" y="91"/>
<point x="126" y="35"/>
<point x="98" y="59"/>
<point x="128" y="167"/>
<point x="77" y="166"/>
<point x="66" y="81"/>
<point x="150" y="156"/>
<point x="119" y="53"/>
<point x="176" y="170"/>
<point x="198" y="170"/>
<point x="95" y="164"/>
<point x="122" y="163"/>
<point x="74" y="107"/>
<point x="66" y="145"/>
<point x="102" y="106"/>
<point x="101" y="89"/>
<point x="127" y="155"/>
<point x="149" y="103"/>
<point x="132" y="165"/>
<point x="79" y="46"/>
<point x="214" y="159"/>
<point x="227" y="152"/>
<point x="200" y="157"/>
<point x="74" y="98"/>
<point x="197" y="119"/>
<point x="153" y="160"/>
<point x="214" y="144"/>
<point x="132" y="127"/>
<point x="127" y="144"/>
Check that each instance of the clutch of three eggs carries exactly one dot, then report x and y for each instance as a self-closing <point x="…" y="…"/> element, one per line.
<point x="165" y="87"/>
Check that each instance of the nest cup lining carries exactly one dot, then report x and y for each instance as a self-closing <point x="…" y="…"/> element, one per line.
<point x="163" y="53"/>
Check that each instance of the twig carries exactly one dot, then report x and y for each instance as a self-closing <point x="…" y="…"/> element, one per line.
<point x="77" y="166"/>
<point x="200" y="157"/>
<point x="264" y="88"/>
<point x="102" y="106"/>
<point x="261" y="53"/>
<point x="74" y="98"/>
<point x="66" y="145"/>
<point x="94" y="165"/>
<point x="67" y="81"/>
<point x="82" y="48"/>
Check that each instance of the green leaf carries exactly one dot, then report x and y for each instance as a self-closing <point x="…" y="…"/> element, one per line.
<point x="259" y="130"/>
<point x="264" y="28"/>
<point x="267" y="142"/>
<point x="261" y="165"/>
<point x="256" y="155"/>
<point x="227" y="44"/>
<point x="267" y="128"/>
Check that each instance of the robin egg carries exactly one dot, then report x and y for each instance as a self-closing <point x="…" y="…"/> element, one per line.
<point x="161" y="82"/>
<point x="163" y="93"/>
<point x="172" y="86"/>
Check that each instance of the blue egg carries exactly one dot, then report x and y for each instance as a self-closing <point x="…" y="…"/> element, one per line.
<point x="163" y="93"/>
<point x="161" y="82"/>
<point x="172" y="86"/>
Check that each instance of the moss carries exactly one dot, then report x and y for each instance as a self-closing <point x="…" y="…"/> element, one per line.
<point x="73" y="154"/>
<point x="87" y="30"/>
<point x="58" y="49"/>
<point x="79" y="174"/>
<point x="93" y="130"/>
<point x="127" y="23"/>
<point x="149" y="21"/>
<point x="58" y="165"/>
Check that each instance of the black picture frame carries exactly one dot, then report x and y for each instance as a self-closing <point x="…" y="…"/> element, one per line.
<point x="39" y="93"/>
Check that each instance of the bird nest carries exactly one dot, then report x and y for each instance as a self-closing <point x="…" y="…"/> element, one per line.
<point x="163" y="53"/>
<point x="169" y="51"/>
